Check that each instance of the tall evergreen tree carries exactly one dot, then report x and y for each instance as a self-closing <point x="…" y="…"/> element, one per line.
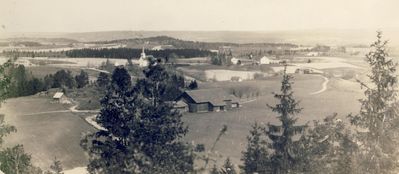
<point x="163" y="127"/>
<point x="141" y="132"/>
<point x="82" y="79"/>
<point x="112" y="150"/>
<point x="328" y="148"/>
<point x="378" y="117"/>
<point x="281" y="135"/>
<point x="255" y="157"/>
<point x="103" y="80"/>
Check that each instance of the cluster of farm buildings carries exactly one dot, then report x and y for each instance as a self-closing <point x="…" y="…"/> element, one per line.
<point x="206" y="100"/>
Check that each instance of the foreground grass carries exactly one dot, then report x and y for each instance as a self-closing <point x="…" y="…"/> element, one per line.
<point x="46" y="135"/>
<point x="341" y="97"/>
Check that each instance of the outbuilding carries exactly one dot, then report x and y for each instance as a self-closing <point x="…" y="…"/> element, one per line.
<point x="60" y="97"/>
<point x="208" y="100"/>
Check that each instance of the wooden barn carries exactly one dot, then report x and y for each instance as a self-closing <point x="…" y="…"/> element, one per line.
<point x="207" y="100"/>
<point x="59" y="97"/>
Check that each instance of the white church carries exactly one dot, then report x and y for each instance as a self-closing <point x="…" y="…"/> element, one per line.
<point x="144" y="60"/>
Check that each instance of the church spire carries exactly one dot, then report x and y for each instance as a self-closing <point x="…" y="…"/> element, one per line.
<point x="142" y="53"/>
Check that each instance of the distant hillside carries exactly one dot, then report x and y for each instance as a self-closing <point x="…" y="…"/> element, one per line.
<point x="305" y="37"/>
<point x="41" y="40"/>
<point x="184" y="44"/>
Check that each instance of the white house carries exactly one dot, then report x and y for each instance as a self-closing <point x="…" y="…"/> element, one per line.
<point x="264" y="60"/>
<point x="143" y="61"/>
<point x="235" y="61"/>
<point x="312" y="54"/>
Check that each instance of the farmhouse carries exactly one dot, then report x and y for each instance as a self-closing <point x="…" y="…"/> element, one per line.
<point x="207" y="100"/>
<point x="265" y="61"/>
<point x="312" y="54"/>
<point x="242" y="61"/>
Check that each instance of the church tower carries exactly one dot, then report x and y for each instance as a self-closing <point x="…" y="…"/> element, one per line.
<point x="143" y="61"/>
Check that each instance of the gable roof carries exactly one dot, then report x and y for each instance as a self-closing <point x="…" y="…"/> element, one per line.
<point x="58" y="95"/>
<point x="215" y="96"/>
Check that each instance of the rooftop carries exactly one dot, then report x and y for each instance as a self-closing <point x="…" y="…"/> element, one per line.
<point x="58" y="95"/>
<point x="216" y="96"/>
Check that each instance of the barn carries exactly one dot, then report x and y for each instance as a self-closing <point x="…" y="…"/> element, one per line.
<point x="60" y="97"/>
<point x="207" y="100"/>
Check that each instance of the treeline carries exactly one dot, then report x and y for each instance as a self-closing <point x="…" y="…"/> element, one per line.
<point x="24" y="84"/>
<point x="112" y="53"/>
<point x="135" y="53"/>
<point x="185" y="44"/>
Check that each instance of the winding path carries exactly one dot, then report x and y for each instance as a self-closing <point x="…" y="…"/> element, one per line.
<point x="323" y="88"/>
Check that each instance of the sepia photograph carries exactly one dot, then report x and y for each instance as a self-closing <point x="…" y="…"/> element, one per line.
<point x="199" y="87"/>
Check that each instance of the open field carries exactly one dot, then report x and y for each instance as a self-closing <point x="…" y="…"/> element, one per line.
<point x="46" y="135"/>
<point x="51" y="133"/>
<point x="341" y="97"/>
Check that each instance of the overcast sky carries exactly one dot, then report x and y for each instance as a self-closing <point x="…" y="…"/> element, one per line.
<point x="260" y="15"/>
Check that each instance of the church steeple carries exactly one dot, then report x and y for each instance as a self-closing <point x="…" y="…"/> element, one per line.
<point x="142" y="53"/>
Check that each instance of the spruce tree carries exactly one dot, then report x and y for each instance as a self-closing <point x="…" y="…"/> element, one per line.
<point x="281" y="135"/>
<point x="141" y="131"/>
<point x="162" y="125"/>
<point x="328" y="147"/>
<point x="82" y="79"/>
<point x="56" y="167"/>
<point x="113" y="149"/>
<point x="255" y="157"/>
<point x="103" y="80"/>
<point x="228" y="167"/>
<point x="378" y="117"/>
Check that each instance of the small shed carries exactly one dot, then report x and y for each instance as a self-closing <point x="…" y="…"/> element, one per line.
<point x="59" y="97"/>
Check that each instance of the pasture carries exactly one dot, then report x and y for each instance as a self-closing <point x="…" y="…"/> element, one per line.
<point x="340" y="97"/>
<point x="46" y="130"/>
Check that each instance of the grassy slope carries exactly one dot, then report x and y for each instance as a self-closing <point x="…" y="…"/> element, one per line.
<point x="46" y="135"/>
